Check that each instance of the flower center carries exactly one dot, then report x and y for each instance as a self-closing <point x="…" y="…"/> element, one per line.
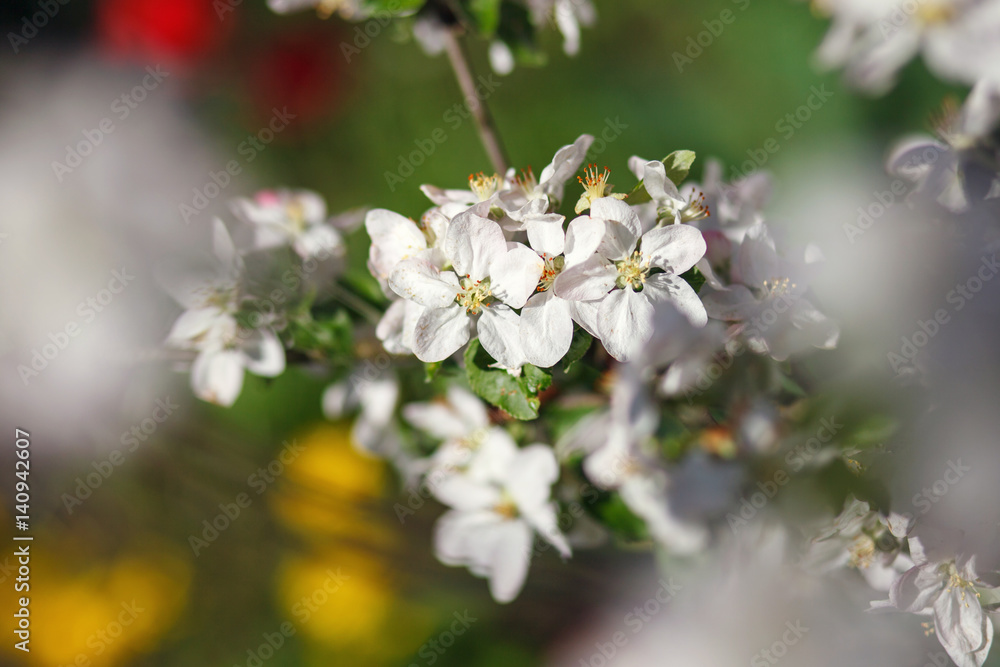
<point x="527" y="181"/>
<point x="935" y="13"/>
<point x="475" y="295"/>
<point x="296" y="216"/>
<point x="957" y="581"/>
<point x="506" y="507"/>
<point x="484" y="186"/>
<point x="862" y="552"/>
<point x="632" y="271"/>
<point x="595" y="186"/>
<point x="551" y="268"/>
<point x="777" y="287"/>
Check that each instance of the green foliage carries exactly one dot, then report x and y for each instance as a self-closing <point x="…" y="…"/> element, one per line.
<point x="486" y="14"/>
<point x="329" y="337"/>
<point x="577" y="349"/>
<point x="517" y="396"/>
<point x="678" y="165"/>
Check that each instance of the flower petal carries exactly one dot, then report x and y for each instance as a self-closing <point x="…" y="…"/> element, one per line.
<point x="217" y="376"/>
<point x="418" y="279"/>
<point x="500" y="334"/>
<point x="473" y="244"/>
<point x="589" y="280"/>
<point x="546" y="329"/>
<point x="664" y="286"/>
<point x="514" y="275"/>
<point x="264" y="354"/>
<point x="583" y="237"/>
<point x="625" y="320"/>
<point x="674" y="248"/>
<point x="440" y="332"/>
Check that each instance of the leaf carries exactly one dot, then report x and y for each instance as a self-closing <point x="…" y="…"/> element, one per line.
<point x="694" y="278"/>
<point x="577" y="349"/>
<point x="331" y="337"/>
<point x="517" y="396"/>
<point x="393" y="6"/>
<point x="487" y="15"/>
<point x="677" y="164"/>
<point x="431" y="370"/>
<point x="620" y="520"/>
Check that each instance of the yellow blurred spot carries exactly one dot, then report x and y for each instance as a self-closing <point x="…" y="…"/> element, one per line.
<point x="104" y="614"/>
<point x="331" y="464"/>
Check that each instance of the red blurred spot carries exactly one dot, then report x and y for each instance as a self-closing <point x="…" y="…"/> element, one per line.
<point x="302" y="70"/>
<point x="178" y="32"/>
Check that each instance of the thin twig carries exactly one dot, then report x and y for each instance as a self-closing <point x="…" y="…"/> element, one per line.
<point x="488" y="132"/>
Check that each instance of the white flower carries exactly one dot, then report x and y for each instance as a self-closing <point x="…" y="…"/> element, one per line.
<point x="616" y="461"/>
<point x="393" y="239"/>
<point x="551" y="183"/>
<point x="949" y="168"/>
<point x="863" y="539"/>
<point x="498" y="504"/>
<point x="373" y="430"/>
<point x="546" y="328"/>
<point x="946" y="590"/>
<point x="569" y="15"/>
<point x="461" y="422"/>
<point x="209" y="327"/>
<point x="463" y="297"/>
<point x="619" y="279"/>
<point x="296" y="218"/>
<point x="767" y="298"/>
<point x="876" y="38"/>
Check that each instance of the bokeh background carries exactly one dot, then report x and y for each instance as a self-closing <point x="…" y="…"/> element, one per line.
<point x="316" y="568"/>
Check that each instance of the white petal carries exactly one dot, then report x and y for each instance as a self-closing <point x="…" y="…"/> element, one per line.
<point x="590" y="280"/>
<point x="471" y="410"/>
<point x="664" y="286"/>
<point x="530" y="475"/>
<point x="394" y="238"/>
<point x="659" y="187"/>
<point x="217" y="376"/>
<point x="193" y="324"/>
<point x="472" y="245"/>
<point x="757" y="258"/>
<point x="585" y="313"/>
<point x="464" y="493"/>
<point x="320" y="241"/>
<point x="514" y="275"/>
<point x="264" y="354"/>
<point x="674" y="248"/>
<point x="564" y="165"/>
<point x="583" y="237"/>
<point x="610" y="208"/>
<point x="500" y="335"/>
<point x="225" y="250"/>
<point x="546" y="329"/>
<point x="735" y="303"/>
<point x="625" y="320"/>
<point x="546" y="234"/>
<point x="511" y="556"/>
<point x="644" y="496"/>
<point x="417" y="279"/>
<point x="440" y="332"/>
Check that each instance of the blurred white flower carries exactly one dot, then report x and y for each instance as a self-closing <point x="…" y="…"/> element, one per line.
<point x="498" y="505"/>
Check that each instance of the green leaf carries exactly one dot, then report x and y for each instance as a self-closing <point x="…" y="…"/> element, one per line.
<point x="486" y="14"/>
<point x="331" y="336"/>
<point x="431" y="370"/>
<point x="617" y="517"/>
<point x="578" y="348"/>
<point x="517" y="396"/>
<point x="694" y="278"/>
<point x="677" y="164"/>
<point x="393" y="6"/>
